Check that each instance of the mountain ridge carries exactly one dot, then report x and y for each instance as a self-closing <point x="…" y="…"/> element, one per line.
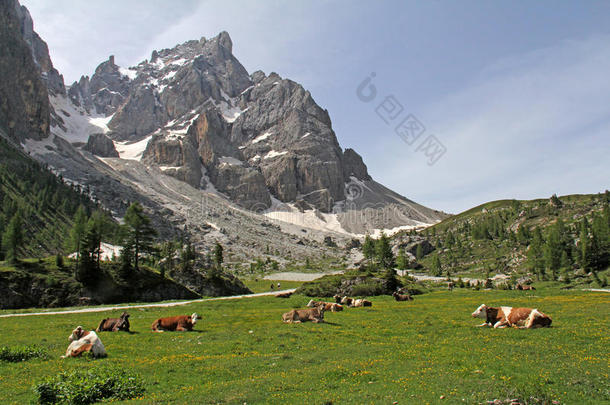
<point x="194" y="138"/>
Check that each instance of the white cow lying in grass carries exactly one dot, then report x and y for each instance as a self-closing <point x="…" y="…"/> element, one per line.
<point x="84" y="341"/>
<point x="502" y="317"/>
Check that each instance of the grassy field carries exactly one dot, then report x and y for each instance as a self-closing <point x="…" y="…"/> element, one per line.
<point x="260" y="285"/>
<point x="410" y="352"/>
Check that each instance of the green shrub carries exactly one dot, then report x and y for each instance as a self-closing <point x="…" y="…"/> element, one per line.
<point x="89" y="386"/>
<point x="368" y="288"/>
<point x="21" y="353"/>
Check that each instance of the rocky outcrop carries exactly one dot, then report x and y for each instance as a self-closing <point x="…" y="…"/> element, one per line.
<point x="354" y="166"/>
<point x="209" y="283"/>
<point x="101" y="145"/>
<point x="141" y="114"/>
<point x="24" y="105"/>
<point x="105" y="92"/>
<point x="40" y="51"/>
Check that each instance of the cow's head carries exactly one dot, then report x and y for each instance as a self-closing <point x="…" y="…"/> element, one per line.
<point x="481" y="312"/>
<point x="194" y="317"/>
<point x="125" y="315"/>
<point x="76" y="334"/>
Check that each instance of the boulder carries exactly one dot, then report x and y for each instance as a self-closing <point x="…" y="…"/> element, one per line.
<point x="101" y="145"/>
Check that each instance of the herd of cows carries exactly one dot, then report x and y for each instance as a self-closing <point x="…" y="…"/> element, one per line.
<point x="82" y="340"/>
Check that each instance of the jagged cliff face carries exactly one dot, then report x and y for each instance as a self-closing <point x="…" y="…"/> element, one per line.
<point x="255" y="136"/>
<point x="24" y="106"/>
<point x="196" y="139"/>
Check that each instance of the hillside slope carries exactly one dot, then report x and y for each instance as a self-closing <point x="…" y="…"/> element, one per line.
<point x="45" y="203"/>
<point x="563" y="238"/>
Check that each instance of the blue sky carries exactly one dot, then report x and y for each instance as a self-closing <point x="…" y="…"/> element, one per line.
<point x="516" y="92"/>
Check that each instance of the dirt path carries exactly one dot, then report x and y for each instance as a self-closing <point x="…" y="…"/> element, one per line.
<point x="159" y="305"/>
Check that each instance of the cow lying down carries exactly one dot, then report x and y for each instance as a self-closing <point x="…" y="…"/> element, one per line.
<point x="114" y="324"/>
<point x="352" y="302"/>
<point x="328" y="306"/>
<point x="524" y="318"/>
<point x="314" y="315"/>
<point x="84" y="341"/>
<point x="175" y="323"/>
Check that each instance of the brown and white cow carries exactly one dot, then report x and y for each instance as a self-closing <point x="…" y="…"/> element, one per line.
<point x="347" y="301"/>
<point x="84" y="341"/>
<point x="401" y="297"/>
<point x="501" y="317"/>
<point x="175" y="323"/>
<point x="314" y="315"/>
<point x="283" y="295"/>
<point x="361" y="303"/>
<point x="524" y="287"/>
<point x="114" y="324"/>
<point x="328" y="306"/>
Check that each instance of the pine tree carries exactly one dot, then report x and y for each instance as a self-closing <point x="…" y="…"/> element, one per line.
<point x="383" y="252"/>
<point x="368" y="247"/>
<point x="584" y="245"/>
<point x="12" y="239"/>
<point x="436" y="266"/>
<point x="419" y="252"/>
<point x="535" y="253"/>
<point x="76" y="233"/>
<point x="168" y="251"/>
<point x="218" y="259"/>
<point x="139" y="231"/>
<point x="401" y="260"/>
<point x="553" y="250"/>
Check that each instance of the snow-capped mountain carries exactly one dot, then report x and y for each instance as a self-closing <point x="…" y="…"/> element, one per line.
<point x="196" y="138"/>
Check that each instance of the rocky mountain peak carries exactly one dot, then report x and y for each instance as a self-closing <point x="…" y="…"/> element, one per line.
<point x="40" y="50"/>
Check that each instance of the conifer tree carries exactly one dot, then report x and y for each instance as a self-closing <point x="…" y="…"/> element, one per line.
<point x="419" y="252"/>
<point x="77" y="232"/>
<point x="139" y="231"/>
<point x="401" y="259"/>
<point x="368" y="247"/>
<point x="535" y="253"/>
<point x="436" y="265"/>
<point x="218" y="259"/>
<point x="12" y="239"/>
<point x="383" y="252"/>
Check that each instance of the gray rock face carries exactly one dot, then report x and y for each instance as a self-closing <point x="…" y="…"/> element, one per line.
<point x="40" y="50"/>
<point x="255" y="136"/>
<point x="24" y="105"/>
<point x="101" y="145"/>
<point x="105" y="92"/>
<point x="354" y="166"/>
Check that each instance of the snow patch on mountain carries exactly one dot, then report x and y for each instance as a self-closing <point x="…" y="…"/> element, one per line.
<point x="132" y="150"/>
<point x="231" y="161"/>
<point x="78" y="123"/>
<point x="129" y="72"/>
<point x="41" y="147"/>
<point x="312" y="219"/>
<point x="273" y="154"/>
<point x="261" y="137"/>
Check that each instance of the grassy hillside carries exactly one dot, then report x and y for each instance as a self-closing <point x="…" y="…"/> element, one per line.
<point x="410" y="352"/>
<point x="497" y="237"/>
<point x="45" y="202"/>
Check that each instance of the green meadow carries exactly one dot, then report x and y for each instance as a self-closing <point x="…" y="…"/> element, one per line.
<point x="424" y="351"/>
